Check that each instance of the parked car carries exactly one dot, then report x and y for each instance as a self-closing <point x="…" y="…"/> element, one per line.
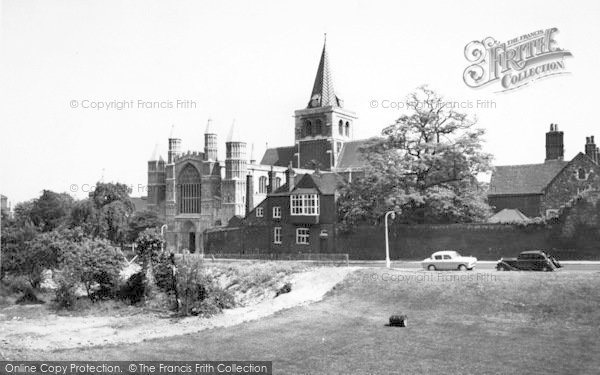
<point x="448" y="260"/>
<point x="532" y="260"/>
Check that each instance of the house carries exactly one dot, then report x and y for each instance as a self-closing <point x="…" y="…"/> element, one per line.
<point x="301" y="215"/>
<point x="540" y="190"/>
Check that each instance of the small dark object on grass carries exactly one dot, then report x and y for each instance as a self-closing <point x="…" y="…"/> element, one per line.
<point x="286" y="288"/>
<point x="398" y="321"/>
<point x="28" y="298"/>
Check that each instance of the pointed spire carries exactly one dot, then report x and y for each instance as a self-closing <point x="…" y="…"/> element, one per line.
<point x="234" y="134"/>
<point x="209" y="127"/>
<point x="154" y="156"/>
<point x="252" y="159"/>
<point x="323" y="93"/>
<point x="174" y="134"/>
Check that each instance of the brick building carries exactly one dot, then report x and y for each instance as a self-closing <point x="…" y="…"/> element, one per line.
<point x="539" y="190"/>
<point x="194" y="191"/>
<point x="300" y="216"/>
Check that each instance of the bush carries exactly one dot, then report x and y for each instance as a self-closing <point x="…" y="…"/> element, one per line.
<point x="65" y="293"/>
<point x="94" y="261"/>
<point x="199" y="296"/>
<point x="163" y="272"/>
<point x="134" y="289"/>
<point x="29" y="298"/>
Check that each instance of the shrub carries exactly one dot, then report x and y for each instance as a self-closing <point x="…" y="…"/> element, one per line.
<point x="134" y="289"/>
<point x="163" y="272"/>
<point x="94" y="261"/>
<point x="198" y="294"/>
<point x="28" y="298"/>
<point x="65" y="293"/>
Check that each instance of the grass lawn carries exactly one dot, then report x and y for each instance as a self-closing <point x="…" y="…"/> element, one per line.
<point x="503" y="322"/>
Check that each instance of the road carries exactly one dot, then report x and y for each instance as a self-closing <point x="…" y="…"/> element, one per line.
<point x="481" y="265"/>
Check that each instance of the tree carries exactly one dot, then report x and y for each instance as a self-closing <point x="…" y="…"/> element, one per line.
<point x="106" y="213"/>
<point x="149" y="246"/>
<point x="140" y="221"/>
<point x="50" y="210"/>
<point x="424" y="167"/>
<point x="43" y="251"/>
<point x="91" y="262"/>
<point x="106" y="193"/>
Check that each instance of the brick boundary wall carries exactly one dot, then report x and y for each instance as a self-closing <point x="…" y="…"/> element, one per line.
<point x="416" y="242"/>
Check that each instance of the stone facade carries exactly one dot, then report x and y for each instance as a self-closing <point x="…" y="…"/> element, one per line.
<point x="580" y="175"/>
<point x="540" y="190"/>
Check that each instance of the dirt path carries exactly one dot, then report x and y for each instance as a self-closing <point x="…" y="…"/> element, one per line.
<point x="59" y="332"/>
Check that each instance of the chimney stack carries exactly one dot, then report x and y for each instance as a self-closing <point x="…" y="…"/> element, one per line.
<point x="271" y="179"/>
<point x="554" y="144"/>
<point x="289" y="177"/>
<point x="249" y="193"/>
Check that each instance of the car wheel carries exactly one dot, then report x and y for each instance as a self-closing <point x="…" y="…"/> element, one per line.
<point x="500" y="268"/>
<point x="431" y="267"/>
<point x="462" y="267"/>
<point x="545" y="269"/>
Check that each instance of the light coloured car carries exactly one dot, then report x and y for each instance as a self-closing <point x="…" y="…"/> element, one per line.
<point x="448" y="260"/>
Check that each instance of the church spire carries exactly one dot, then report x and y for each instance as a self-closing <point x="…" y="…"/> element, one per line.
<point x="323" y="93"/>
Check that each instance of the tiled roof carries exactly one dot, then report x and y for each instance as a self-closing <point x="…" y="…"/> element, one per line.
<point x="350" y="156"/>
<point x="279" y="156"/>
<point x="524" y="179"/>
<point x="326" y="183"/>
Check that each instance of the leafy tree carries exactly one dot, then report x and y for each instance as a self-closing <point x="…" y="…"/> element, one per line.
<point x="141" y="221"/>
<point x="91" y="262"/>
<point x="107" y="193"/>
<point x="424" y="167"/>
<point x="14" y="244"/>
<point x="149" y="246"/>
<point x="43" y="251"/>
<point x="50" y="210"/>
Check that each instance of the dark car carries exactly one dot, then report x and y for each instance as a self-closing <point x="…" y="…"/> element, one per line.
<point x="533" y="260"/>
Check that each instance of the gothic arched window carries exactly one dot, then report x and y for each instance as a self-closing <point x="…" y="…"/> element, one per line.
<point x="347" y="129"/>
<point x="309" y="128"/>
<point x="277" y="183"/>
<point x="341" y="127"/>
<point x="581" y="174"/>
<point x="262" y="185"/>
<point x="189" y="190"/>
<point x="319" y="127"/>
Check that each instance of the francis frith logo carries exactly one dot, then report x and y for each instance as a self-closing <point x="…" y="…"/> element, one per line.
<point x="514" y="63"/>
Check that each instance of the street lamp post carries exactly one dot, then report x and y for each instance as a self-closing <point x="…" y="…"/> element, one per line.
<point x="387" y="242"/>
<point x="162" y="234"/>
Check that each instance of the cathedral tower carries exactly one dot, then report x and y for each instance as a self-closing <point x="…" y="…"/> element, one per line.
<point x="156" y="182"/>
<point x="210" y="142"/>
<point x="234" y="184"/>
<point x="173" y="153"/>
<point x="324" y="125"/>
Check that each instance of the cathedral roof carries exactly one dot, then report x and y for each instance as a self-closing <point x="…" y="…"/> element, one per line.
<point x="323" y="93"/>
<point x="278" y="156"/>
<point x="350" y="156"/>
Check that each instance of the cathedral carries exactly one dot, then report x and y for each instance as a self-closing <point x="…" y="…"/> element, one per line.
<point x="194" y="191"/>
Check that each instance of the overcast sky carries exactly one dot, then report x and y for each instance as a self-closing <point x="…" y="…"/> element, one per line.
<point x="256" y="62"/>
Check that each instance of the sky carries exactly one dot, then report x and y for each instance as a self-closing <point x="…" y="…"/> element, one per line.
<point x="255" y="62"/>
